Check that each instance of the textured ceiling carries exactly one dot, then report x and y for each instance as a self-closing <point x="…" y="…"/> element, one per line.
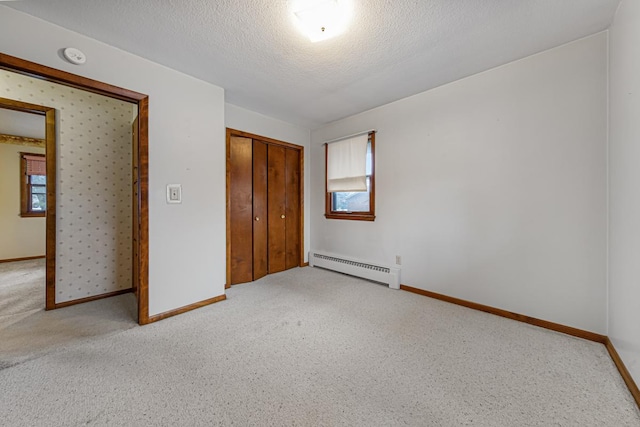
<point x="391" y="50"/>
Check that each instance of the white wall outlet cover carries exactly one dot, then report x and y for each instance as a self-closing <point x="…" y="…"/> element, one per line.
<point x="174" y="193"/>
<point x="75" y="56"/>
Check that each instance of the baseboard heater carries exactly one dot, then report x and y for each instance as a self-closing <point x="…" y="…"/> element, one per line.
<point x="355" y="267"/>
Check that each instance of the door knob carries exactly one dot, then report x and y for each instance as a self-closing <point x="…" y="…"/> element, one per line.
<point x="257" y="218"/>
<point x="282" y="216"/>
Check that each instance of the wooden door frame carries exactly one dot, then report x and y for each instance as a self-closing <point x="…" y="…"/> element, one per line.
<point x="43" y="72"/>
<point x="50" y="214"/>
<point x="234" y="132"/>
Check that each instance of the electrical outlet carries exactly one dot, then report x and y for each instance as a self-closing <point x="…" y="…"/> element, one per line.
<point x="174" y="193"/>
<point x="398" y="260"/>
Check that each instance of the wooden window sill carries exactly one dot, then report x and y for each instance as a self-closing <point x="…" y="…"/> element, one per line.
<point x="351" y="216"/>
<point x="33" y="214"/>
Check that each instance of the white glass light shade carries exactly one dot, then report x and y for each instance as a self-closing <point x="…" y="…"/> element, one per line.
<point x="322" y="19"/>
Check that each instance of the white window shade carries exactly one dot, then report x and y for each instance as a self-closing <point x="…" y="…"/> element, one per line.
<point x="347" y="164"/>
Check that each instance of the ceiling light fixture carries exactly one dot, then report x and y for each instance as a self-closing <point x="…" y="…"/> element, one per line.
<point x="322" y="19"/>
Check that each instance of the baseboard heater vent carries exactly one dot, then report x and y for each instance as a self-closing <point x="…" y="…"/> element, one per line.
<point x="358" y="268"/>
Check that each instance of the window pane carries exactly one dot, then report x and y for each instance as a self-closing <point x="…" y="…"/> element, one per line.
<point x="40" y="189"/>
<point x="359" y="205"/>
<point x="38" y="179"/>
<point x="38" y="202"/>
<point x="351" y="202"/>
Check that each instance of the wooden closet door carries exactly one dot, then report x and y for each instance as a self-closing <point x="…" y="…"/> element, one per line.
<point x="276" y="161"/>
<point x="241" y="209"/>
<point x="292" y="224"/>
<point x="260" y="248"/>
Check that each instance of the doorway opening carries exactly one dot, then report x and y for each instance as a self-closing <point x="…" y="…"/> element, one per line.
<point x="139" y="234"/>
<point x="36" y="201"/>
<point x="22" y="211"/>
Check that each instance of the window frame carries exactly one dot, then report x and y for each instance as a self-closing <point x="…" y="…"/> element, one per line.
<point x="370" y="215"/>
<point x="25" y="189"/>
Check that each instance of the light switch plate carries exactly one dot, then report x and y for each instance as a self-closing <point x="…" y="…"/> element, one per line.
<point x="174" y="193"/>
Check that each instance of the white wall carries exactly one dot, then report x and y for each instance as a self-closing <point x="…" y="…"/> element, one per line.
<point x="624" y="186"/>
<point x="186" y="146"/>
<point x="491" y="188"/>
<point x="20" y="237"/>
<point x="248" y="121"/>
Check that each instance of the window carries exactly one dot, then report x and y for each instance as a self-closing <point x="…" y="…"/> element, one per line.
<point x="358" y="204"/>
<point x="33" y="185"/>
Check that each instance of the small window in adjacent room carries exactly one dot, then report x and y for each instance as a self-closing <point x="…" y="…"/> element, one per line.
<point x="350" y="183"/>
<point x="33" y="185"/>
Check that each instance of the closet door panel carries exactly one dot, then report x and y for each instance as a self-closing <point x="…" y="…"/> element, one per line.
<point x="260" y="244"/>
<point x="277" y="208"/>
<point x="241" y="209"/>
<point x="292" y="226"/>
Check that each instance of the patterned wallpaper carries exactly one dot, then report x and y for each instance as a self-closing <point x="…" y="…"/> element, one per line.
<point x="93" y="185"/>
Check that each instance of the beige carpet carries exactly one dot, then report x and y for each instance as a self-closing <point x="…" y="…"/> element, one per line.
<point x="21" y="290"/>
<point x="309" y="347"/>
<point x="27" y="331"/>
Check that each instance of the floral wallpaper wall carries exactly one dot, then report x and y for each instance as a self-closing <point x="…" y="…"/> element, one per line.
<point x="93" y="249"/>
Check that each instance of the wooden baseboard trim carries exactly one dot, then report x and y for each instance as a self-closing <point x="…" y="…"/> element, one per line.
<point x="93" y="298"/>
<point x="304" y="264"/>
<point x="587" y="335"/>
<point x="624" y="373"/>
<point x="27" y="258"/>
<point x="186" y="308"/>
